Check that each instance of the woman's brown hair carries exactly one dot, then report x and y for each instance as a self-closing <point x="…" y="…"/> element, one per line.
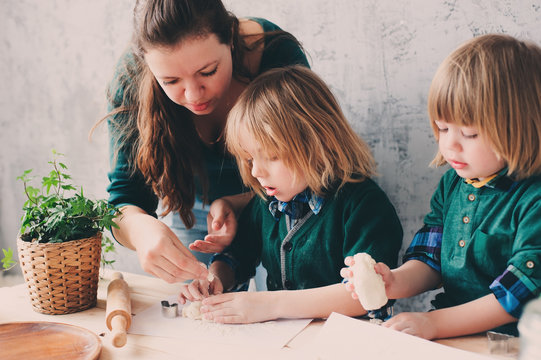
<point x="158" y="135"/>
<point x="493" y="83"/>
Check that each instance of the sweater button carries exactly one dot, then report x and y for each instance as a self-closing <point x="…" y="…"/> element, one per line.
<point x="530" y="264"/>
<point x="471" y="197"/>
<point x="288" y="284"/>
<point x="465" y="220"/>
<point x="288" y="246"/>
<point x="462" y="243"/>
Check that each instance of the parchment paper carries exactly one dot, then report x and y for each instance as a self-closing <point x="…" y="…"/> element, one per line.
<point x="271" y="334"/>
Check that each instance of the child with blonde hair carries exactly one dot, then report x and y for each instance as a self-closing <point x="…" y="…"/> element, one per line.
<point x="481" y="241"/>
<point x="316" y="205"/>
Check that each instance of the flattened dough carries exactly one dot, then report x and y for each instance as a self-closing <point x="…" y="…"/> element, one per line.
<point x="369" y="285"/>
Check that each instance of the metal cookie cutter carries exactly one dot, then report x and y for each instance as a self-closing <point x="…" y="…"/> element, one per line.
<point x="169" y="310"/>
<point x="501" y="343"/>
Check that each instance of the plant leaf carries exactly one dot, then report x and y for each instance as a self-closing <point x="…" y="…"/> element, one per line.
<point x="7" y="260"/>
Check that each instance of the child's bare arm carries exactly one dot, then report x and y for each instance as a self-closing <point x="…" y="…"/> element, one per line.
<point x="473" y="317"/>
<point x="249" y="307"/>
<point x="412" y="278"/>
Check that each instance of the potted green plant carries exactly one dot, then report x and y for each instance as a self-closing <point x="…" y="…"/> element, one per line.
<point x="60" y="242"/>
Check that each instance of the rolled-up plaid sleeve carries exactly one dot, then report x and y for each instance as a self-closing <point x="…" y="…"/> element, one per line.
<point x="513" y="289"/>
<point x="426" y="247"/>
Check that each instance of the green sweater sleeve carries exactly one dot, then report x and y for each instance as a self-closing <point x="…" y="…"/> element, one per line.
<point x="371" y="225"/>
<point x="247" y="246"/>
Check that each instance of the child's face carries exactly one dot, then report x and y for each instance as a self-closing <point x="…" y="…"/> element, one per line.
<point x="274" y="176"/>
<point x="467" y="152"/>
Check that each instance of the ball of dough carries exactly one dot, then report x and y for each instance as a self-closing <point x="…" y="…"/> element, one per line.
<point x="192" y="310"/>
<point x="369" y="285"/>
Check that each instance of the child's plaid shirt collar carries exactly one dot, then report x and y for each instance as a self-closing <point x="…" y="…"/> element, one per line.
<point x="296" y="208"/>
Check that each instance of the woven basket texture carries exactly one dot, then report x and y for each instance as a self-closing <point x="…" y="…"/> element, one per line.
<point x="62" y="278"/>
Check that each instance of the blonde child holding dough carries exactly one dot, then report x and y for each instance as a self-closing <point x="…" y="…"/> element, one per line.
<point x="481" y="241"/>
<point x="316" y="205"/>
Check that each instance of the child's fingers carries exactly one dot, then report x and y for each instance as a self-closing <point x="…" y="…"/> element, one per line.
<point x="346" y="273"/>
<point x="211" y="244"/>
<point x="223" y="313"/>
<point x="383" y="270"/>
<point x="204" y="289"/>
<point x="195" y="245"/>
<point x="216" y="286"/>
<point x="217" y="223"/>
<point x="196" y="291"/>
<point x="399" y="324"/>
<point x="217" y="299"/>
<point x="349" y="261"/>
<point x="351" y="288"/>
<point x="185" y="295"/>
<point x="181" y="299"/>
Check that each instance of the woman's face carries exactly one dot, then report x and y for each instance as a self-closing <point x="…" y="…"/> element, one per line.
<point x="195" y="74"/>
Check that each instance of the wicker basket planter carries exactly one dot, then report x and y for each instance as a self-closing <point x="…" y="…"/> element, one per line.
<point x="62" y="278"/>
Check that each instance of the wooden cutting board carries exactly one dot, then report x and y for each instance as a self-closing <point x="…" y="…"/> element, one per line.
<point x="47" y="340"/>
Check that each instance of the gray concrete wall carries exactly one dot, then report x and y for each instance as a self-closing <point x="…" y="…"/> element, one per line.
<point x="377" y="55"/>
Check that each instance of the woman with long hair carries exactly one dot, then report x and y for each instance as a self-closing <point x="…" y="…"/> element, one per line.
<point x="168" y="102"/>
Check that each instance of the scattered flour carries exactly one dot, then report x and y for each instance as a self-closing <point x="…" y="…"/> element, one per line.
<point x="192" y="311"/>
<point x="209" y="327"/>
<point x="369" y="285"/>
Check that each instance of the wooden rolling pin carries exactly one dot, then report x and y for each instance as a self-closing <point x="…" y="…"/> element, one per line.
<point x="118" y="309"/>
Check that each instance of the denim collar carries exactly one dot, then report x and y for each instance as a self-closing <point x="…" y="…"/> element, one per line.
<point x="296" y="207"/>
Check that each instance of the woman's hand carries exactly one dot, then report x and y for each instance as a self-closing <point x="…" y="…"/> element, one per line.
<point x="380" y="268"/>
<point x="160" y="252"/>
<point x="222" y="227"/>
<point x="200" y="289"/>
<point x="239" y="307"/>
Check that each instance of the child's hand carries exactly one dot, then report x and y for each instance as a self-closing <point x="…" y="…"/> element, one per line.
<point x="380" y="268"/>
<point x="386" y="274"/>
<point x="418" y="324"/>
<point x="199" y="289"/>
<point x="347" y="274"/>
<point x="221" y="226"/>
<point x="238" y="307"/>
